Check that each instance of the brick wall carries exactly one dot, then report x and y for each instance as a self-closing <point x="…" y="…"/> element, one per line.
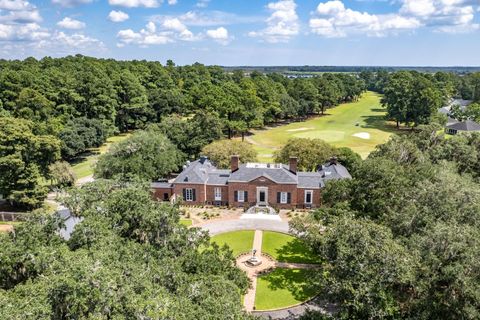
<point x="316" y="198"/>
<point x="158" y="193"/>
<point x="273" y="188"/>
<point x="200" y="192"/>
<point x="211" y="194"/>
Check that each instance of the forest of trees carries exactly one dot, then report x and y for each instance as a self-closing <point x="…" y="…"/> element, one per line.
<point x="401" y="239"/>
<point x="75" y="103"/>
<point x="130" y="258"/>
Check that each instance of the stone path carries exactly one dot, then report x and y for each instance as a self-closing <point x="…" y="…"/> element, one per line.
<point x="249" y="299"/>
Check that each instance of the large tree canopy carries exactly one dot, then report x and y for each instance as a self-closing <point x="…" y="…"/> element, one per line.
<point x="400" y="238"/>
<point x="129" y="258"/>
<point x="24" y="160"/>
<point x="220" y="152"/>
<point x="145" y="155"/>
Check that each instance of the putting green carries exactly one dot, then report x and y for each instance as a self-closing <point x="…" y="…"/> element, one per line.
<point x="338" y="127"/>
<point x="238" y="241"/>
<point x="282" y="288"/>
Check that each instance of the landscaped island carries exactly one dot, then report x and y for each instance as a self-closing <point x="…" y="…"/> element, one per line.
<point x="286" y="281"/>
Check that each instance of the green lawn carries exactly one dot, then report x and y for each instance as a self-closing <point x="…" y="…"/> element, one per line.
<point x="238" y="241"/>
<point x="283" y="288"/>
<point x="84" y="167"/>
<point x="285" y="248"/>
<point x="337" y="127"/>
<point x="186" y="222"/>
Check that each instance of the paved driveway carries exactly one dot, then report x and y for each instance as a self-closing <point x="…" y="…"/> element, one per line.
<point x="245" y="224"/>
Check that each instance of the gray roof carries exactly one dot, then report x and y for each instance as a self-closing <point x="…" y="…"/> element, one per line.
<point x="218" y="177"/>
<point x="467" y="125"/>
<point x="310" y="180"/>
<point x="162" y="185"/>
<point x="278" y="175"/>
<point x="331" y="171"/>
<point x="202" y="171"/>
<point x="196" y="172"/>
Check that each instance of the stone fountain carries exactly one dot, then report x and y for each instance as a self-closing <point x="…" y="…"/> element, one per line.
<point x="253" y="261"/>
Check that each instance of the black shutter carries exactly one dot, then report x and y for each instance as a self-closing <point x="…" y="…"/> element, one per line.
<point x="194" y="198"/>
<point x="245" y="194"/>
<point x="184" y="194"/>
<point x="235" y="195"/>
<point x="279" y="195"/>
<point x="289" y="197"/>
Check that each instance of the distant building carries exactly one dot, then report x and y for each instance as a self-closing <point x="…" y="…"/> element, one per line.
<point x="462" y="126"/>
<point x="250" y="184"/>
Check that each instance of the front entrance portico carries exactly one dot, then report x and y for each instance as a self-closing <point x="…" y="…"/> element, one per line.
<point x="262" y="196"/>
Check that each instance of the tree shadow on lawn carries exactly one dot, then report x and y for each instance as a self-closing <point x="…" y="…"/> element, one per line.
<point x="300" y="283"/>
<point x="296" y="251"/>
<point x="379" y="123"/>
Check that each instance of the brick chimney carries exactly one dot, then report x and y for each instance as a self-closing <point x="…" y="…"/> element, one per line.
<point x="293" y="164"/>
<point x="234" y="162"/>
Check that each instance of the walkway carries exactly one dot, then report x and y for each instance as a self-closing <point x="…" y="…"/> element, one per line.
<point x="245" y="224"/>
<point x="249" y="299"/>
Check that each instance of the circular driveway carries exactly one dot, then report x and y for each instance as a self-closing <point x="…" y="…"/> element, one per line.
<point x="245" y="224"/>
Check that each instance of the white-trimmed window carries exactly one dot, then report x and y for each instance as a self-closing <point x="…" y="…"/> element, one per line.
<point x="188" y="194"/>
<point x="218" y="194"/>
<point x="308" y="196"/>
<point x="241" y="196"/>
<point x="283" y="197"/>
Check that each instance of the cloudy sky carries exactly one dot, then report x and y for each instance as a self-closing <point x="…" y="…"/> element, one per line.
<point x="247" y="32"/>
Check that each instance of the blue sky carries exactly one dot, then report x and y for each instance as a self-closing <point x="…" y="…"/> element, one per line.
<point x="247" y="32"/>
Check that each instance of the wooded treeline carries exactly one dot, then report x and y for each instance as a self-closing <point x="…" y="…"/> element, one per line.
<point x="401" y="239"/>
<point x="130" y="258"/>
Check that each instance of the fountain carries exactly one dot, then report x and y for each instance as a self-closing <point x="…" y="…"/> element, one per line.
<point x="253" y="261"/>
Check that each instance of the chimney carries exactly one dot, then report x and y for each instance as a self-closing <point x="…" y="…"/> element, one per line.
<point x="234" y="161"/>
<point x="333" y="160"/>
<point x="293" y="164"/>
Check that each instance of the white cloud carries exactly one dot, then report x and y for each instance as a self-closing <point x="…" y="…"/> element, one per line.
<point x="170" y="30"/>
<point x="134" y="3"/>
<point x="172" y="2"/>
<point x="69" y="23"/>
<point x="452" y="16"/>
<point x="21" y="17"/>
<point x="117" y="16"/>
<point x="202" y="3"/>
<point x="174" y="24"/>
<point x="24" y="32"/>
<point x="15" y="5"/>
<point x="208" y="18"/>
<point x="334" y="20"/>
<point x="71" y="3"/>
<point x="147" y="36"/>
<point x="220" y="35"/>
<point x="282" y="24"/>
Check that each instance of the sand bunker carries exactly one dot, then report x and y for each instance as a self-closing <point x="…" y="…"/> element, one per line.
<point x="299" y="129"/>
<point x="362" y="135"/>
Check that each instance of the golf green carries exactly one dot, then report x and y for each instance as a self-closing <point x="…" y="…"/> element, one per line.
<point x="358" y="125"/>
<point x="238" y="241"/>
<point x="282" y="288"/>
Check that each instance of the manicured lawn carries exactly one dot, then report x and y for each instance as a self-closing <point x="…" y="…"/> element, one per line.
<point x="285" y="248"/>
<point x="84" y="167"/>
<point x="186" y="222"/>
<point x="283" y="288"/>
<point x="238" y="241"/>
<point x="337" y="127"/>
